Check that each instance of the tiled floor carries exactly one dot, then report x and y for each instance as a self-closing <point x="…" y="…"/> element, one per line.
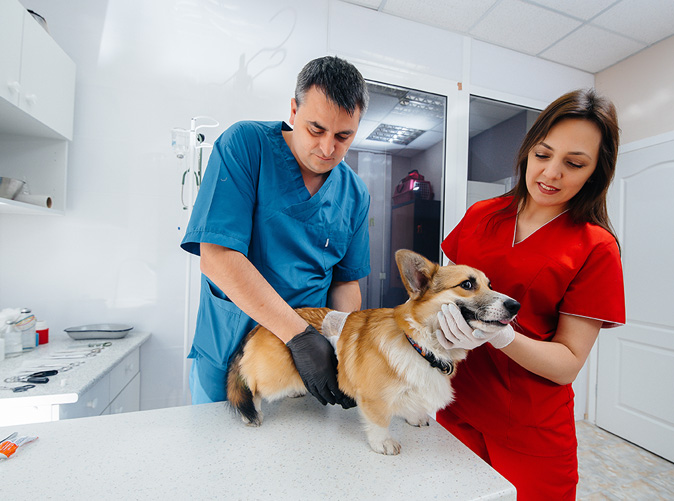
<point x="612" y="469"/>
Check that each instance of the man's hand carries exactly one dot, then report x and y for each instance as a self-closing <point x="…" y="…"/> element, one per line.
<point x="316" y="362"/>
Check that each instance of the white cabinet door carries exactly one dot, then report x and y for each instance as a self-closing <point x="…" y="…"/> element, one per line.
<point x="47" y="79"/>
<point x="635" y="390"/>
<point x="11" y="28"/>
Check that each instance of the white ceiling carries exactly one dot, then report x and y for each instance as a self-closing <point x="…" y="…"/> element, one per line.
<point x="386" y="108"/>
<point x="589" y="35"/>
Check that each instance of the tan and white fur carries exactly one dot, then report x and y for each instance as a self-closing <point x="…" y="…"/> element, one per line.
<point x="377" y="365"/>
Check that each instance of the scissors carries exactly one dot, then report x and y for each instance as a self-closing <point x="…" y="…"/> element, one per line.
<point x="102" y="345"/>
<point x="18" y="389"/>
<point x="36" y="377"/>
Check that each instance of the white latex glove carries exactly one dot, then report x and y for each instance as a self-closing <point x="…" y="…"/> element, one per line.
<point x="503" y="337"/>
<point x="456" y="333"/>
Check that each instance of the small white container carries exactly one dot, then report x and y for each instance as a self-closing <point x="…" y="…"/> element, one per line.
<point x="26" y="324"/>
<point x="13" y="345"/>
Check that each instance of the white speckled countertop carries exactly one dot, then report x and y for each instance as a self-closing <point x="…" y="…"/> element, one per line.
<point x="302" y="451"/>
<point x="65" y="387"/>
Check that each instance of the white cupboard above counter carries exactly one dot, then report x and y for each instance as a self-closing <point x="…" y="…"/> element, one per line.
<point x="37" y="96"/>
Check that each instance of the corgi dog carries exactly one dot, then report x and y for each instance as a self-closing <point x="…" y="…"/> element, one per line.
<point x="389" y="359"/>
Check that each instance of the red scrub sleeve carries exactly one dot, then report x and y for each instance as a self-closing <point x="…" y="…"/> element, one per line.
<point x="598" y="290"/>
<point x="450" y="245"/>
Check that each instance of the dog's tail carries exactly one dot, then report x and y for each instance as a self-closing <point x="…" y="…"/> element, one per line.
<point x="239" y="395"/>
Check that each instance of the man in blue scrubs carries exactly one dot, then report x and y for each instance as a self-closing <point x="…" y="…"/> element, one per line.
<point x="280" y="222"/>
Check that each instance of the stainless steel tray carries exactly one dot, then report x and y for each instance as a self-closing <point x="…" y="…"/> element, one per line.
<point x="99" y="331"/>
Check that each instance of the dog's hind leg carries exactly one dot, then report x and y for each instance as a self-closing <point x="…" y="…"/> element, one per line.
<point x="240" y="396"/>
<point x="257" y="402"/>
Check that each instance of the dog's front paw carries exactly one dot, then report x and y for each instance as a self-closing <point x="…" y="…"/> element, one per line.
<point x="388" y="446"/>
<point x="422" y="421"/>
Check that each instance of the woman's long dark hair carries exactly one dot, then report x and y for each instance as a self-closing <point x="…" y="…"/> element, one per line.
<point x="589" y="204"/>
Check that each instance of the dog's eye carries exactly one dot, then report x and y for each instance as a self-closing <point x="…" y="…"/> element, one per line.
<point x="467" y="285"/>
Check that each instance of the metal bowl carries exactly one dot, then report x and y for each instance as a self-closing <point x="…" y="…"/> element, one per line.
<point x="98" y="331"/>
<point x="10" y="187"/>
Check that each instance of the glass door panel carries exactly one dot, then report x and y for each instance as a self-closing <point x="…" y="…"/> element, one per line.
<point x="400" y="152"/>
<point x="496" y="133"/>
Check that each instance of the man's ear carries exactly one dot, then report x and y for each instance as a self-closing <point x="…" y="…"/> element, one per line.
<point x="293" y="111"/>
<point x="416" y="272"/>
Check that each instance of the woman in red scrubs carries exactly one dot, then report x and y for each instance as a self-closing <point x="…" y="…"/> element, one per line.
<point x="549" y="245"/>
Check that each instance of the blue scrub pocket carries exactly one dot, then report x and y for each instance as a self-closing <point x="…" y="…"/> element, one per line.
<point x="220" y="325"/>
<point x="334" y="249"/>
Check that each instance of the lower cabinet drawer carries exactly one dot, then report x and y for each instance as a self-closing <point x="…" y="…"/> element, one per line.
<point x="124" y="372"/>
<point x="129" y="399"/>
<point x="116" y="392"/>
<point x="91" y="403"/>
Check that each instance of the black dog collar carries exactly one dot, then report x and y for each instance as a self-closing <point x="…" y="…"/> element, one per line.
<point x="445" y="367"/>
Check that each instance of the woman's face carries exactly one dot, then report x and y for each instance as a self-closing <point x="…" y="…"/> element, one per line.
<point x="560" y="165"/>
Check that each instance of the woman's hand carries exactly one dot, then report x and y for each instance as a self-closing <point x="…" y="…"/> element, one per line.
<point x="456" y="333"/>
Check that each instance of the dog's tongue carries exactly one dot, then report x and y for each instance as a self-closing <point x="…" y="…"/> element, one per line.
<point x="504" y="322"/>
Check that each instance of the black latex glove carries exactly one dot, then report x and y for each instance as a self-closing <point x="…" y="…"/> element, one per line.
<point x="316" y="362"/>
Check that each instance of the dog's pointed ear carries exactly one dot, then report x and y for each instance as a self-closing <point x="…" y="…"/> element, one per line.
<point x="416" y="272"/>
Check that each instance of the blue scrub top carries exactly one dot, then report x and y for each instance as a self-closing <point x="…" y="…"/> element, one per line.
<point x="253" y="200"/>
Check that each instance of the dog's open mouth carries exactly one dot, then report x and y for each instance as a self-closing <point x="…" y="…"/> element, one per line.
<point x="469" y="315"/>
<point x="497" y="322"/>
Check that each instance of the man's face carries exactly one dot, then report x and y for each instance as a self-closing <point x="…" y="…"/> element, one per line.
<point x="322" y="132"/>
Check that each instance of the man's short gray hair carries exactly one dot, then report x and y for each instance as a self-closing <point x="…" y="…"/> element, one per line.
<point x="338" y="79"/>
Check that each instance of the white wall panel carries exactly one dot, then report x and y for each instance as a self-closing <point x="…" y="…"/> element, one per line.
<point x="367" y="35"/>
<point x="641" y="88"/>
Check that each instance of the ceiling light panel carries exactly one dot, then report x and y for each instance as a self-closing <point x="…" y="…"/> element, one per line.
<point x="421" y="102"/>
<point x="395" y="134"/>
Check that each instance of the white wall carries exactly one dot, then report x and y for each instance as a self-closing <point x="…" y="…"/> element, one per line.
<point x="642" y="88"/>
<point x="146" y="67"/>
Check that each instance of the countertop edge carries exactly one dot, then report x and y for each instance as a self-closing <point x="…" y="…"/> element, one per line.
<point x="56" y="395"/>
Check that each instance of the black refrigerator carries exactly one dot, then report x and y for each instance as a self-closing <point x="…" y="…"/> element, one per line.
<point x="415" y="225"/>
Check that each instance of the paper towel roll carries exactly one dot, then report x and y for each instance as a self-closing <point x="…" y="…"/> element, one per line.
<point x="41" y="200"/>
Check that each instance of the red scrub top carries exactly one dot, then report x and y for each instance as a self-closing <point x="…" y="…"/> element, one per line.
<point x="563" y="267"/>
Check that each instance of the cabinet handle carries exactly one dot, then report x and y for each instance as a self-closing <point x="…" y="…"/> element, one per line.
<point x="14" y="87"/>
<point x="31" y="99"/>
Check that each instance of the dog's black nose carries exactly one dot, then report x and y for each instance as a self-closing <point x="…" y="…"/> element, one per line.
<point x="511" y="306"/>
